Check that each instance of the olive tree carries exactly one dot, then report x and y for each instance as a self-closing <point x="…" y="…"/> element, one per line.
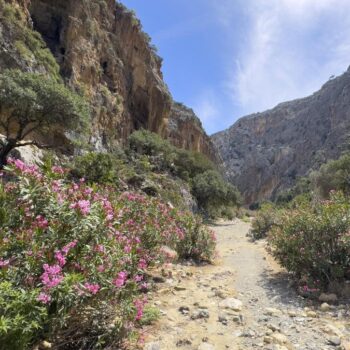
<point x="33" y="104"/>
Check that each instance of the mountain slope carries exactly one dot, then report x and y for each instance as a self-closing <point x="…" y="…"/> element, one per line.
<point x="265" y="153"/>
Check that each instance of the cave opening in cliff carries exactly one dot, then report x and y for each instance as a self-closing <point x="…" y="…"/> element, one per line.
<point x="47" y="17"/>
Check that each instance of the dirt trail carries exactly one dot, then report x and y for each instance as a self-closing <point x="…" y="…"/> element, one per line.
<point x="243" y="301"/>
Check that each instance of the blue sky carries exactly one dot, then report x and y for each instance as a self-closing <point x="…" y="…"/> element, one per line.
<point x="229" y="58"/>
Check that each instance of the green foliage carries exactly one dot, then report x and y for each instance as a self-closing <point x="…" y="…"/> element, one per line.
<point x="199" y="242"/>
<point x="302" y="187"/>
<point x="76" y="257"/>
<point x="214" y="195"/>
<point x="314" y="242"/>
<point x="96" y="168"/>
<point x="334" y="175"/>
<point x="150" y="315"/>
<point x="31" y="99"/>
<point x="266" y="217"/>
<point x="31" y="102"/>
<point x="212" y="192"/>
<point x="21" y="316"/>
<point x="28" y="43"/>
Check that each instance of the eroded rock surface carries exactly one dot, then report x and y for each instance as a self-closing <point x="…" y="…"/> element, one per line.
<point x="265" y="153"/>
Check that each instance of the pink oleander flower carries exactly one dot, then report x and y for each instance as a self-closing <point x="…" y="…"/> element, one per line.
<point x="127" y="249"/>
<point x="60" y="258"/>
<point x="4" y="263"/>
<point x="52" y="276"/>
<point x="138" y="278"/>
<point x="139" y="305"/>
<point x="41" y="222"/>
<point x="44" y="298"/>
<point x="57" y="170"/>
<point x="88" y="191"/>
<point x="100" y="248"/>
<point x="92" y="288"/>
<point x="82" y="205"/>
<point x="69" y="246"/>
<point x="121" y="279"/>
<point x="142" y="264"/>
<point x="101" y="268"/>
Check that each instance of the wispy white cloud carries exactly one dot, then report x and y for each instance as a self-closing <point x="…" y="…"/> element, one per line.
<point x="289" y="48"/>
<point x="207" y="108"/>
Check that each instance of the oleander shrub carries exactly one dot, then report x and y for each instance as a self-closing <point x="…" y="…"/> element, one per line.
<point x="265" y="218"/>
<point x="314" y="243"/>
<point x="74" y="256"/>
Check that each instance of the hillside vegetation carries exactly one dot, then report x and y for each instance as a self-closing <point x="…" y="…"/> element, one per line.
<point x="308" y="228"/>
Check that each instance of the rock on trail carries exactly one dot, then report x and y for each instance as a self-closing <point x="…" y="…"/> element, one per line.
<point x="243" y="301"/>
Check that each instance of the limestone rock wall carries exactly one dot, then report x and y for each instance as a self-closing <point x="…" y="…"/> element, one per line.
<point x="101" y="51"/>
<point x="265" y="153"/>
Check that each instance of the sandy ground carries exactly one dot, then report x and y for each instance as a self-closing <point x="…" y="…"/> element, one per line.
<point x="201" y="309"/>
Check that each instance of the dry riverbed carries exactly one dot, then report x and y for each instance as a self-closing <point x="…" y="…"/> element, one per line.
<point x="243" y="301"/>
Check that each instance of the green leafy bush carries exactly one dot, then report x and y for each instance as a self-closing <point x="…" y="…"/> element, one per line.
<point x="266" y="217"/>
<point x="96" y="168"/>
<point x="35" y="103"/>
<point x="314" y="242"/>
<point x="334" y="175"/>
<point x="73" y="257"/>
<point x="28" y="42"/>
<point x="213" y="193"/>
<point x="21" y="316"/>
<point x="199" y="242"/>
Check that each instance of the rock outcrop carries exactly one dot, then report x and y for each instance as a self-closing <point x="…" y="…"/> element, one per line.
<point x="185" y="130"/>
<point x="97" y="47"/>
<point x="265" y="153"/>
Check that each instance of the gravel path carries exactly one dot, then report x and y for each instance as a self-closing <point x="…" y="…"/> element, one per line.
<point x="244" y="301"/>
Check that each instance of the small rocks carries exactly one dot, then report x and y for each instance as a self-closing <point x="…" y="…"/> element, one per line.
<point x="183" y="342"/>
<point x="238" y="319"/>
<point x="179" y="288"/>
<point x="248" y="333"/>
<point x="334" y="341"/>
<point x="273" y="312"/>
<point x="273" y="327"/>
<point x="45" y="345"/>
<point x="198" y="314"/>
<point x="332" y="330"/>
<point x="328" y="298"/>
<point x="158" y="279"/>
<point x="325" y="307"/>
<point x="268" y="340"/>
<point x="223" y="319"/>
<point x="311" y="314"/>
<point x="184" y="310"/>
<point x="279" y="338"/>
<point x="232" y="304"/>
<point x="292" y="313"/>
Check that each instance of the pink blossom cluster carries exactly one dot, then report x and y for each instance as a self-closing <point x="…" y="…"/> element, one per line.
<point x="31" y="170"/>
<point x="52" y="276"/>
<point x="139" y="305"/>
<point x="121" y="279"/>
<point x="83" y="205"/>
<point x="92" y="288"/>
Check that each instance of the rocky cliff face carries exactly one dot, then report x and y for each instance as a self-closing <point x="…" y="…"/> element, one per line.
<point x="185" y="130"/>
<point x="265" y="153"/>
<point x="102" y="51"/>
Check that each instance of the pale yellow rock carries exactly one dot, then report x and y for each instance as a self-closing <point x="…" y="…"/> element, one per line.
<point x="279" y="338"/>
<point x="311" y="314"/>
<point x="273" y="312"/>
